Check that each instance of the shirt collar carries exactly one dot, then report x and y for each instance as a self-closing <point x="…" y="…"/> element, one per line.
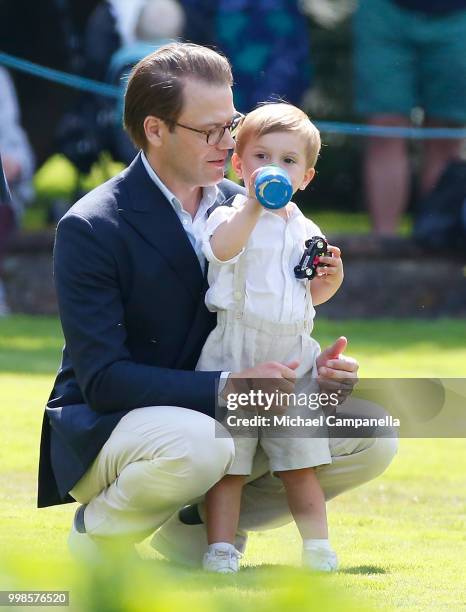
<point x="209" y="193"/>
<point x="153" y="175"/>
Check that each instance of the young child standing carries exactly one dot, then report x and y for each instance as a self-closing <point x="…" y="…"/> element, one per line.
<point x="264" y="313"/>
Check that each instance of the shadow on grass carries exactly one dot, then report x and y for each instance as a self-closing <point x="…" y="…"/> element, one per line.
<point x="30" y="345"/>
<point x="269" y="570"/>
<point x="33" y="345"/>
<point x="268" y="575"/>
<point x="410" y="333"/>
<point x="247" y="577"/>
<point x="30" y="361"/>
<point x="251" y="577"/>
<point x="364" y="569"/>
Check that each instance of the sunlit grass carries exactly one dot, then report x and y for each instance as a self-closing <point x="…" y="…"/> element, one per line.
<point x="400" y="538"/>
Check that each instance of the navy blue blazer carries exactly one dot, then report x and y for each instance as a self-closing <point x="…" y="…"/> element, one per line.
<point x="131" y="300"/>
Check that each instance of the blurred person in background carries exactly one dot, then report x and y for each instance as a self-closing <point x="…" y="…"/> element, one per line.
<point x="18" y="167"/>
<point x="157" y="23"/>
<point x="118" y="34"/>
<point x="115" y="24"/>
<point x="267" y="42"/>
<point x="408" y="54"/>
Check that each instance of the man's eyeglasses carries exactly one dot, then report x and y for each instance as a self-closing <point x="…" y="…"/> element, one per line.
<point x="214" y="136"/>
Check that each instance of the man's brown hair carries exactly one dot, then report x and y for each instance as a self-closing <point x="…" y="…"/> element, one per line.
<point x="279" y="117"/>
<point x="155" y="85"/>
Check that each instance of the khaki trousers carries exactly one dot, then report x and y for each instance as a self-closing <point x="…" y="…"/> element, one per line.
<point x="160" y="458"/>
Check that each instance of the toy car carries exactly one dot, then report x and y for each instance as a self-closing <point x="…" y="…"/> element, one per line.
<point x="315" y="248"/>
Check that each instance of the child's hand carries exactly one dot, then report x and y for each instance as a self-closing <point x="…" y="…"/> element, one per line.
<point x="333" y="270"/>
<point x="252" y="180"/>
<point x="329" y="278"/>
<point x="252" y="201"/>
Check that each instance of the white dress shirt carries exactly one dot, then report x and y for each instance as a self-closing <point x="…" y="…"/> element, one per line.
<point x="194" y="228"/>
<point x="274" y="248"/>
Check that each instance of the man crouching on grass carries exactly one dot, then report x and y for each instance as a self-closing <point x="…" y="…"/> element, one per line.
<point x="128" y="430"/>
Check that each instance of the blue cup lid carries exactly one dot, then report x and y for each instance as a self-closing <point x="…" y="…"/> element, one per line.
<point x="273" y="187"/>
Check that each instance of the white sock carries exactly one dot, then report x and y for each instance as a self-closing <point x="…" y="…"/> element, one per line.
<point x="221" y="546"/>
<point x="313" y="544"/>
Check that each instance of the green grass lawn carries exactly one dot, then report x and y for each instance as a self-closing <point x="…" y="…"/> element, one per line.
<point x="400" y="539"/>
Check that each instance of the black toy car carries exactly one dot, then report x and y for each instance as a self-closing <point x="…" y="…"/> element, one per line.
<point x="315" y="248"/>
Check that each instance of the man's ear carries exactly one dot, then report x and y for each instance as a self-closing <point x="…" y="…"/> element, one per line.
<point x="154" y="129"/>
<point x="236" y="165"/>
<point x="310" y="174"/>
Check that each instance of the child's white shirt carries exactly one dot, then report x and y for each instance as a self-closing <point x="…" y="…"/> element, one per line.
<point x="274" y="248"/>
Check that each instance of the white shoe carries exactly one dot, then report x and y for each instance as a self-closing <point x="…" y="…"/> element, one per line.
<point x="320" y="559"/>
<point x="81" y="545"/>
<point x="222" y="559"/>
<point x="186" y="544"/>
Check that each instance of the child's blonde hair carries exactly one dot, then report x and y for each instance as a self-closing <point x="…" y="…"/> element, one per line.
<point x="279" y="117"/>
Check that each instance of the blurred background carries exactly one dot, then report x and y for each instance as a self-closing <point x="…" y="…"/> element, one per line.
<point x="385" y="81"/>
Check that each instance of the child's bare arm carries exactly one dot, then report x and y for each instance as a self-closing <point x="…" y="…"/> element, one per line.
<point x="329" y="279"/>
<point x="232" y="235"/>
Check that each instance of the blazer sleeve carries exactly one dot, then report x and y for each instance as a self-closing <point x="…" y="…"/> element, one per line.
<point x="92" y="316"/>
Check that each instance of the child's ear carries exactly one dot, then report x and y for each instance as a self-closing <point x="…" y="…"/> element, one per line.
<point x="236" y="165"/>
<point x="310" y="174"/>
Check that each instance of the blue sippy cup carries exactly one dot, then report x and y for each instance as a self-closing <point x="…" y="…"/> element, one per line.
<point x="273" y="187"/>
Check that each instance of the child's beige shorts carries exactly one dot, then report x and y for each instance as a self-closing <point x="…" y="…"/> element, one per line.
<point x="244" y="340"/>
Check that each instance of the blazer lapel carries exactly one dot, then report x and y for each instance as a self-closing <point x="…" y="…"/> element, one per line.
<point x="148" y="211"/>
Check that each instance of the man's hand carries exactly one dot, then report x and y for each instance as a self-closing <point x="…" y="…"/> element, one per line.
<point x="269" y="378"/>
<point x="337" y="372"/>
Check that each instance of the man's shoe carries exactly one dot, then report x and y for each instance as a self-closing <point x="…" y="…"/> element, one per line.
<point x="186" y="543"/>
<point x="80" y="544"/>
<point x="222" y="559"/>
